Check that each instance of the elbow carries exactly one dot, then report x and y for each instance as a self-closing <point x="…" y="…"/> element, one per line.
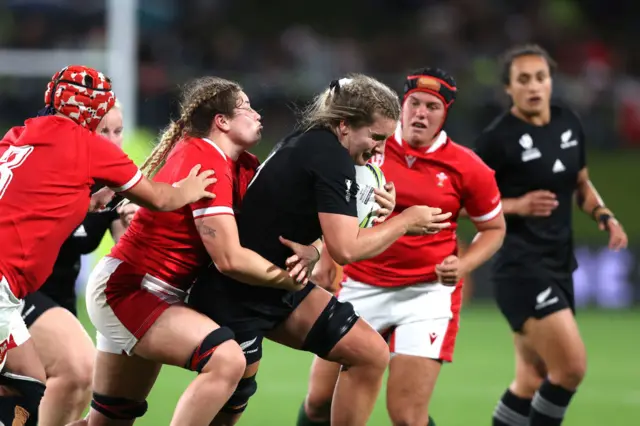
<point x="229" y="263"/>
<point x="162" y="200"/>
<point x="342" y="250"/>
<point x="226" y="265"/>
<point x="156" y="204"/>
<point x="342" y="257"/>
<point x="161" y="205"/>
<point x="326" y="279"/>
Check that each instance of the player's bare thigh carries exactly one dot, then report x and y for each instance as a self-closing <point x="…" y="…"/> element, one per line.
<point x="418" y="351"/>
<point x="557" y="340"/>
<point x="24" y="360"/>
<point x="412" y="380"/>
<point x="63" y="345"/>
<point x="293" y="331"/>
<point x="360" y="343"/>
<point x="174" y="336"/>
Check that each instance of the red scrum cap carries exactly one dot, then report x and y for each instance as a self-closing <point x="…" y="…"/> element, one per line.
<point x="80" y="93"/>
<point x="434" y="81"/>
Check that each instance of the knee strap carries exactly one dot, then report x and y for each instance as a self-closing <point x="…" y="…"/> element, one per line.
<point x="203" y="352"/>
<point x="118" y="408"/>
<point x="334" y="322"/>
<point x="246" y="388"/>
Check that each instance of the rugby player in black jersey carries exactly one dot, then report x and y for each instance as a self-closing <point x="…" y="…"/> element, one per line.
<point x="537" y="150"/>
<point x="304" y="190"/>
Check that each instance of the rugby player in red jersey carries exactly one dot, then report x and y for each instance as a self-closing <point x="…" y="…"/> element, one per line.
<point x="412" y="292"/>
<point x="135" y="294"/>
<point x="47" y="169"/>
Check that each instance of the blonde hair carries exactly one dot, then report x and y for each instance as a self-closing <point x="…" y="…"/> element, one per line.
<point x="355" y="100"/>
<point x="202" y="99"/>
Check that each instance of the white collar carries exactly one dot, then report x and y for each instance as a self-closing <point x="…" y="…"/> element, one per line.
<point x="212" y="143"/>
<point x="440" y="140"/>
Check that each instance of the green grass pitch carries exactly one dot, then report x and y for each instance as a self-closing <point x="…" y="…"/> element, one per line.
<point x="467" y="389"/>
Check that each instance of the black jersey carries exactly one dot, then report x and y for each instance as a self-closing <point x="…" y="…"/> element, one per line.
<point x="308" y="174"/>
<point x="527" y="158"/>
<point x="60" y="286"/>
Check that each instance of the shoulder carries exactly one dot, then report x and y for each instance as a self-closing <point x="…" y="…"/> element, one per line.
<point x="198" y="151"/>
<point x="564" y="113"/>
<point x="321" y="147"/>
<point x="13" y="134"/>
<point x="51" y="129"/>
<point x="497" y="127"/>
<point x="318" y="139"/>
<point x="189" y="152"/>
<point x="467" y="159"/>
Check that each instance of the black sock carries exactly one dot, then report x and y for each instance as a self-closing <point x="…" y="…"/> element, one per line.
<point x="549" y="405"/>
<point x="512" y="410"/>
<point x="304" y="420"/>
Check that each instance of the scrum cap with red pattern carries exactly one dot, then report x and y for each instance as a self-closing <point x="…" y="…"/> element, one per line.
<point x="80" y="93"/>
<point x="435" y="81"/>
<point x="432" y="80"/>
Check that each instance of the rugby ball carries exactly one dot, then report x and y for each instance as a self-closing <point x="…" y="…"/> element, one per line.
<point x="368" y="177"/>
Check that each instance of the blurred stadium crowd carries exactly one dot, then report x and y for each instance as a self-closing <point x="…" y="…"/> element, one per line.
<point x="284" y="51"/>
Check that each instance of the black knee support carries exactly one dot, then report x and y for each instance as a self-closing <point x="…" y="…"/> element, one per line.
<point x="203" y="352"/>
<point x="334" y="322"/>
<point x="240" y="398"/>
<point x="118" y="408"/>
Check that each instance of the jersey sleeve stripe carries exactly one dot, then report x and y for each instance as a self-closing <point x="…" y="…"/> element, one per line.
<point x="134" y="180"/>
<point x="210" y="211"/>
<point x="486" y="217"/>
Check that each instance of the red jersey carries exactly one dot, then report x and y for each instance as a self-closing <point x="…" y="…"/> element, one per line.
<point x="167" y="245"/>
<point x="47" y="169"/>
<point x="446" y="175"/>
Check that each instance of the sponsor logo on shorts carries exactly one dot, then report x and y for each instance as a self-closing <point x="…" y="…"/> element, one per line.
<point x="542" y="299"/>
<point x="80" y="232"/>
<point x="246" y="345"/>
<point x="433" y="337"/>
<point x="28" y="312"/>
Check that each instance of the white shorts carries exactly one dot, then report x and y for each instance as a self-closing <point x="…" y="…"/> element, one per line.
<point x="419" y="320"/>
<point x="13" y="330"/>
<point x="123" y="302"/>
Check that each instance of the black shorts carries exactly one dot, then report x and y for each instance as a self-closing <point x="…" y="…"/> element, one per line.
<point x="60" y="288"/>
<point x="521" y="298"/>
<point x="36" y="304"/>
<point x="20" y="409"/>
<point x="250" y="313"/>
